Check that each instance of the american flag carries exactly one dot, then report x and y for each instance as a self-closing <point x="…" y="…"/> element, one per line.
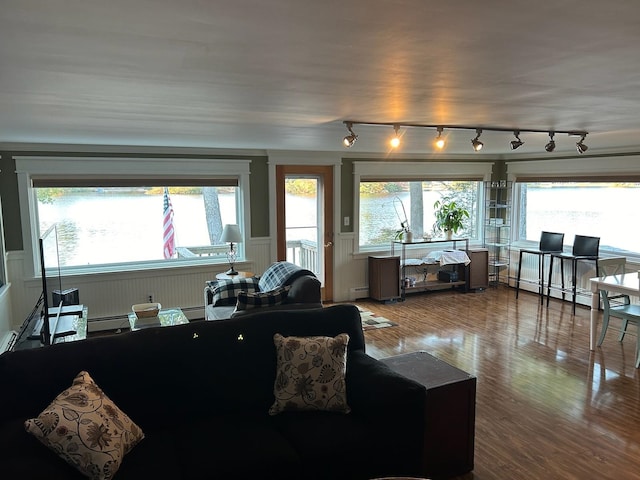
<point x="169" y="233"/>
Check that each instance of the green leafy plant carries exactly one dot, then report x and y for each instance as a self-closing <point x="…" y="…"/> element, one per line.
<point x="449" y="216"/>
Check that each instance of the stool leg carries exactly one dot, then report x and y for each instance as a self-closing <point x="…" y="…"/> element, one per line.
<point x="562" y="276"/>
<point x="541" y="274"/>
<point x="549" y="281"/>
<point x="519" y="271"/>
<point x="574" y="276"/>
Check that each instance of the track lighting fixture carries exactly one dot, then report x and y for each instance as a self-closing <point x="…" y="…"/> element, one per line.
<point x="439" y="140"/>
<point x="517" y="143"/>
<point x="551" y="146"/>
<point x="350" y="139"/>
<point x="477" y="144"/>
<point x="580" y="146"/>
<point x="395" y="141"/>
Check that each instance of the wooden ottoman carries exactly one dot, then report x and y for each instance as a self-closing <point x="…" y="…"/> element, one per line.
<point x="450" y="415"/>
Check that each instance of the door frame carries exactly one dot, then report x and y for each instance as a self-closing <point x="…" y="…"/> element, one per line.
<point x="326" y="172"/>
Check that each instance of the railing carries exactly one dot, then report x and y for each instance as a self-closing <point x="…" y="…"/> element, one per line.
<point x="205" y="251"/>
<point x="303" y="253"/>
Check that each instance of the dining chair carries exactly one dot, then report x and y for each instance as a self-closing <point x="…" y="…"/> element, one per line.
<point x="614" y="266"/>
<point x="628" y="313"/>
<point x="550" y="242"/>
<point x="585" y="248"/>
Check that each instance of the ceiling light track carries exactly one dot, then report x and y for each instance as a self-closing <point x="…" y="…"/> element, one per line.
<point x="477" y="145"/>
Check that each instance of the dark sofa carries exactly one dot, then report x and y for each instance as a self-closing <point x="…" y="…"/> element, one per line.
<point x="201" y="393"/>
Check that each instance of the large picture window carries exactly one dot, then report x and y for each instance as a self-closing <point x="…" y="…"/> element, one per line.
<point x="387" y="205"/>
<point x="133" y="222"/>
<point x="128" y="213"/>
<point x="593" y="208"/>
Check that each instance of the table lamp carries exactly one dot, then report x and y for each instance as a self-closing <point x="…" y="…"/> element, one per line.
<point x="231" y="234"/>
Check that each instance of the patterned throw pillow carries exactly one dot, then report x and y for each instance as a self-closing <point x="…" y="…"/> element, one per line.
<point x="247" y="300"/>
<point x="310" y="374"/>
<point x="225" y="292"/>
<point x="84" y="427"/>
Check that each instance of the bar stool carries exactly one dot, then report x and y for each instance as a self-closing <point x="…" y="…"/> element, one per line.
<point x="550" y="242"/>
<point x="584" y="249"/>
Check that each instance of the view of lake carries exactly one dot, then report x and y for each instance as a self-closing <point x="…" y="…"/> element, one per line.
<point x="115" y="228"/>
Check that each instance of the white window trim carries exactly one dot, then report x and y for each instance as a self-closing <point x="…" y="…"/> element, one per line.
<point x="585" y="168"/>
<point x="176" y="167"/>
<point x="419" y="171"/>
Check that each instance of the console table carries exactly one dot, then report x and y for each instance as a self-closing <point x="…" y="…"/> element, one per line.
<point x="79" y="324"/>
<point x="459" y="269"/>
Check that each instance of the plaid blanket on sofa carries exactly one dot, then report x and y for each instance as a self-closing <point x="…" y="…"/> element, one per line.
<point x="281" y="274"/>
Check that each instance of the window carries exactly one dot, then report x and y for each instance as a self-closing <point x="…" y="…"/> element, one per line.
<point x="384" y="206"/>
<point x="114" y="213"/>
<point x="593" y="208"/>
<point x="102" y="225"/>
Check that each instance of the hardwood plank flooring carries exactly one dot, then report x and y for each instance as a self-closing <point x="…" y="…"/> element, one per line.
<point x="547" y="407"/>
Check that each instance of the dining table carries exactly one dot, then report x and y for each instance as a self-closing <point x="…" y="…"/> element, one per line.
<point x="627" y="283"/>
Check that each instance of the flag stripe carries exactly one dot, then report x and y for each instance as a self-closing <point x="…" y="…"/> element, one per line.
<point x="169" y="233"/>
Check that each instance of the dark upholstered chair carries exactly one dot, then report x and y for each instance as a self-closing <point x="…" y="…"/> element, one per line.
<point x="550" y="242"/>
<point x="584" y="249"/>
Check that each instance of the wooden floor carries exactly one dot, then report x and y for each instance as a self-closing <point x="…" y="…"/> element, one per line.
<point x="547" y="407"/>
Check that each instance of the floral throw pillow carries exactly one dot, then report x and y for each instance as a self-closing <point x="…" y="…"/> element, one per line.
<point x="84" y="427"/>
<point x="310" y="374"/>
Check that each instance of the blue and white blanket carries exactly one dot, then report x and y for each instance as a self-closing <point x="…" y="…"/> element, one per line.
<point x="281" y="274"/>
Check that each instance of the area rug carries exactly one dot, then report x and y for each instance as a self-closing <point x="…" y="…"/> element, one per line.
<point x="372" y="321"/>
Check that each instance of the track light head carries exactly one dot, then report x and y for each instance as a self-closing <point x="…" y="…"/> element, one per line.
<point x="551" y="146"/>
<point x="395" y="141"/>
<point x="439" y="140"/>
<point x="350" y="139"/>
<point x="475" y="143"/>
<point x="517" y="143"/>
<point x="580" y="146"/>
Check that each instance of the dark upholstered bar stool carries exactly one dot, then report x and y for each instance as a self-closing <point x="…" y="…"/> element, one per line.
<point x="584" y="249"/>
<point x="550" y="242"/>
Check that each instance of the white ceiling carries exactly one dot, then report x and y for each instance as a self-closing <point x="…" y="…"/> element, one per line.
<point x="285" y="74"/>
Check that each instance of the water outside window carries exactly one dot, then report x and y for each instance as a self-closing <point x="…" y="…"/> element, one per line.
<point x="604" y="210"/>
<point x="121" y="225"/>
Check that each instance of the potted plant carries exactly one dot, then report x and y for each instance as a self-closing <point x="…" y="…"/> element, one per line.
<point x="404" y="234"/>
<point x="449" y="217"/>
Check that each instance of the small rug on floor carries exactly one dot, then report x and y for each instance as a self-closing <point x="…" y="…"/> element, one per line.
<point x="370" y="320"/>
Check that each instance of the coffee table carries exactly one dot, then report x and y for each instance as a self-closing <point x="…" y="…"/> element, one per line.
<point x="166" y="318"/>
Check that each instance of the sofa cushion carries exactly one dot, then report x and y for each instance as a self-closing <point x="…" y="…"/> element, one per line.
<point x="310" y="374"/>
<point x="225" y="292"/>
<point x="84" y="427"/>
<point x="247" y="300"/>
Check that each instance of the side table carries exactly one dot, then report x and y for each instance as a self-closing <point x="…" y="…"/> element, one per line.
<point x="165" y="318"/>
<point x="224" y="276"/>
<point x="450" y="412"/>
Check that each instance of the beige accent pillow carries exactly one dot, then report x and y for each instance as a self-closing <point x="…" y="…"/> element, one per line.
<point x="310" y="374"/>
<point x="84" y="427"/>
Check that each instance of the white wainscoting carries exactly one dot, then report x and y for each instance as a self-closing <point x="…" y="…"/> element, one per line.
<point x="110" y="295"/>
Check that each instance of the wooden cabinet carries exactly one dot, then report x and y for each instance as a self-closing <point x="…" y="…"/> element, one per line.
<point x="384" y="278"/>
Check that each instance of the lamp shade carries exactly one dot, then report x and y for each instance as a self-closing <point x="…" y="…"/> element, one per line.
<point x="231" y="234"/>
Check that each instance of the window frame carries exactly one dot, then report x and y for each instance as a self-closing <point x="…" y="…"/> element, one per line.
<point x="625" y="167"/>
<point x="416" y="171"/>
<point x="170" y="169"/>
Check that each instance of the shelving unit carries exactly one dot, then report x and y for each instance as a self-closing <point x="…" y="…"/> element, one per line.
<point x="428" y="282"/>
<point x="497" y="229"/>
